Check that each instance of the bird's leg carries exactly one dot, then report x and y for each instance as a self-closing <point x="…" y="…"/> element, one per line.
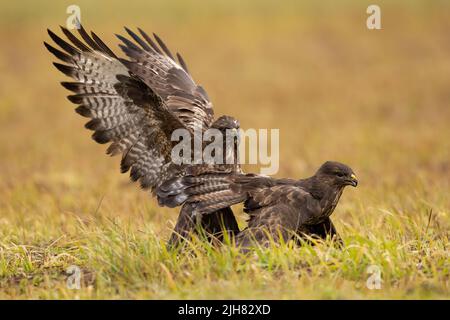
<point x="330" y="230"/>
<point x="217" y="223"/>
<point x="213" y="225"/>
<point x="322" y="231"/>
<point x="185" y="224"/>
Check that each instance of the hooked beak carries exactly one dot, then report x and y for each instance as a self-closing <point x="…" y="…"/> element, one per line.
<point x="353" y="181"/>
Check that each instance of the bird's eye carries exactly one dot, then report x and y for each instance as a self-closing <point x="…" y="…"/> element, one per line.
<point x="339" y="174"/>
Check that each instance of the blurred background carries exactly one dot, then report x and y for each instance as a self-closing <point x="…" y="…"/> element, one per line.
<point x="378" y="100"/>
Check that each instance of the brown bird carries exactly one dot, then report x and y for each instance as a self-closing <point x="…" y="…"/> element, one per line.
<point x="278" y="209"/>
<point x="136" y="104"/>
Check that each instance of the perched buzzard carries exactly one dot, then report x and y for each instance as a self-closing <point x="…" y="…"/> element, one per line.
<point x="136" y="104"/>
<point x="277" y="208"/>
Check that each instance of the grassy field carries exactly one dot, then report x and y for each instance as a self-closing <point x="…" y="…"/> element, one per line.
<point x="377" y="100"/>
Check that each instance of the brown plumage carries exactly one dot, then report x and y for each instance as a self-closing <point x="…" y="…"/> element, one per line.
<point x="277" y="208"/>
<point x="136" y="104"/>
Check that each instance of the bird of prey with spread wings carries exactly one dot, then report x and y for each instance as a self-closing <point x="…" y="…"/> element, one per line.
<point x="136" y="104"/>
<point x="278" y="209"/>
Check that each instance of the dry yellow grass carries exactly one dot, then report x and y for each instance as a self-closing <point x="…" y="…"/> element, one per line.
<point x="376" y="100"/>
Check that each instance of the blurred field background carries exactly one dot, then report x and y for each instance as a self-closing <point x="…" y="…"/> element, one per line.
<point x="376" y="100"/>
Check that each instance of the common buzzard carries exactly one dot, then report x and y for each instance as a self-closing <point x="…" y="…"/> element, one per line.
<point x="136" y="104"/>
<point x="278" y="209"/>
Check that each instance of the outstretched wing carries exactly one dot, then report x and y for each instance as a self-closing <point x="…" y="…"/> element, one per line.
<point x="123" y="110"/>
<point x="170" y="79"/>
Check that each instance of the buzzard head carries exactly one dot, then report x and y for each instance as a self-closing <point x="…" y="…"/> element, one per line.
<point x="229" y="128"/>
<point x="226" y="122"/>
<point x="337" y="173"/>
<point x="227" y="125"/>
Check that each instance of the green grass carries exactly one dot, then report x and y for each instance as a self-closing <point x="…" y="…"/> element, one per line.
<point x="119" y="261"/>
<point x="376" y="100"/>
